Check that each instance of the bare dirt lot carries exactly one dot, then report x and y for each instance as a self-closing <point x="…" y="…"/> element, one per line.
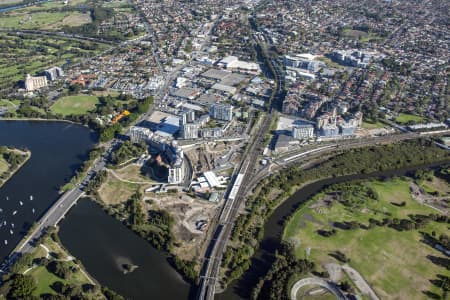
<point x="189" y="214"/>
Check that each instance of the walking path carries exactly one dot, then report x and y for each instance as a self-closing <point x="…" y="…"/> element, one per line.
<point x="359" y="281"/>
<point x="128" y="181"/>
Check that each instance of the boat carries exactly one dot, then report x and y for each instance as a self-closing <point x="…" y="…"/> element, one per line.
<point x="7" y="198"/>
<point x="31" y="197"/>
<point x="12" y="225"/>
<point x="6" y="242"/>
<point x="14" y="212"/>
<point x="1" y="209"/>
<point x="12" y="232"/>
<point x="21" y="203"/>
<point x="32" y="210"/>
<point x="4" y="222"/>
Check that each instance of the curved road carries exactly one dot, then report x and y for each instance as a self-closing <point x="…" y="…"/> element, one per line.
<point x="316" y="281"/>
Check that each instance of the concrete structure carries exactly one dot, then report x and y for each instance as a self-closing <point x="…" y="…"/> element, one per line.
<point x="176" y="158"/>
<point x="221" y="112"/>
<point x="211" y="132"/>
<point x="232" y="63"/>
<point x="189" y="130"/>
<point x="35" y="83"/>
<point x="303" y="132"/>
<point x="138" y="134"/>
<point x="305" y="61"/>
<point x="53" y="73"/>
<point x="329" y="130"/>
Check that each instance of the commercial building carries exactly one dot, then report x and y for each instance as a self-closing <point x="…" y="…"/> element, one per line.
<point x="211" y="132"/>
<point x="138" y="134"/>
<point x="53" y="73"/>
<point x="221" y="112"/>
<point x="303" y="61"/>
<point x="303" y="132"/>
<point x="35" y="83"/>
<point x="189" y="130"/>
<point x="329" y="130"/>
<point x="176" y="158"/>
<point x="347" y="129"/>
<point x="176" y="175"/>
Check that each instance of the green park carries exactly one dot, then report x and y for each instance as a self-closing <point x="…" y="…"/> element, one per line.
<point x="74" y="105"/>
<point x="348" y="218"/>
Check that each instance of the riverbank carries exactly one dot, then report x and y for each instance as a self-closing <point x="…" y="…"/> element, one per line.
<point x="50" y="269"/>
<point x="274" y="192"/>
<point x="356" y="220"/>
<point x="11" y="161"/>
<point x="42" y="120"/>
<point x="271" y="240"/>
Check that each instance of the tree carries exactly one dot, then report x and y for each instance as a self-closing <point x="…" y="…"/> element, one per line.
<point x="22" y="286"/>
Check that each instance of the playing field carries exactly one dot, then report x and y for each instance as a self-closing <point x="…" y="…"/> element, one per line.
<point x="74" y="105"/>
<point x="405" y="118"/>
<point x="394" y="263"/>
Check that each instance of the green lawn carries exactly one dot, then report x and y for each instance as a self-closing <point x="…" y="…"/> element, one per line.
<point x="3" y="166"/>
<point x="44" y="279"/>
<point x="74" y="105"/>
<point x="405" y="118"/>
<point x="394" y="263"/>
<point x="371" y="125"/>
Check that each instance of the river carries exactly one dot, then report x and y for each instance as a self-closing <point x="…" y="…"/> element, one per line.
<point x="273" y="230"/>
<point x="19" y="6"/>
<point x="103" y="245"/>
<point x="57" y="150"/>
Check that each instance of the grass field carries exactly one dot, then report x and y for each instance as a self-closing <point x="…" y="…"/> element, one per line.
<point x="114" y="191"/>
<point x="45" y="279"/>
<point x="362" y="36"/>
<point x="132" y="173"/>
<point x="435" y="186"/>
<point x="370" y="125"/>
<point x="3" y="166"/>
<point x="74" y="105"/>
<point x="395" y="263"/>
<point x="405" y="118"/>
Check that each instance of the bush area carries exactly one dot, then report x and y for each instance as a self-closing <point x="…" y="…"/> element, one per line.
<point x="127" y="151"/>
<point x="10" y="160"/>
<point x="276" y="284"/>
<point x="81" y="172"/>
<point x="249" y="227"/>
